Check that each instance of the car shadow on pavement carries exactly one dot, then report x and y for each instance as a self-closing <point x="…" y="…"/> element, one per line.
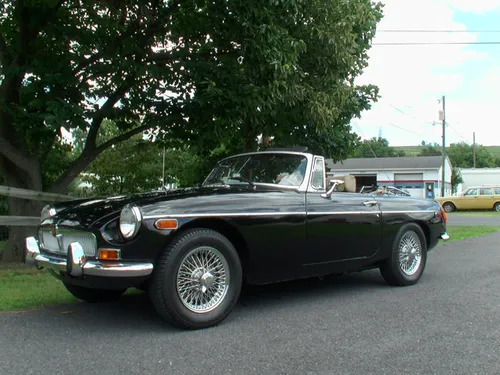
<point x="307" y="290"/>
<point x="135" y="311"/>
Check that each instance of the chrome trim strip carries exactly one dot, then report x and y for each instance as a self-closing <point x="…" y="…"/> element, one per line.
<point x="410" y="212"/>
<point x="117" y="269"/>
<point x="277" y="213"/>
<point x="224" y="214"/>
<point x="80" y="266"/>
<point x="341" y="213"/>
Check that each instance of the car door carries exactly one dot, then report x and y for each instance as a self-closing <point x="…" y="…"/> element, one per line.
<point x="469" y="200"/>
<point x="486" y="199"/>
<point x="339" y="226"/>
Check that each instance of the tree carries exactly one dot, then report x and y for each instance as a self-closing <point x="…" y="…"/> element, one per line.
<point x="430" y="149"/>
<point x="305" y="95"/>
<point x="135" y="165"/>
<point x="462" y="156"/>
<point x="376" y="148"/>
<point x="456" y="179"/>
<point x="199" y="71"/>
<point x="71" y="64"/>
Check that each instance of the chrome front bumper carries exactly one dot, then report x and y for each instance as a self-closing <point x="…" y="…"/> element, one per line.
<point x="444" y="236"/>
<point x="77" y="264"/>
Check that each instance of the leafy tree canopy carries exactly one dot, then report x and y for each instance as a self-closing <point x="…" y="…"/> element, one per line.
<point x="134" y="165"/>
<point x="462" y="156"/>
<point x="300" y="90"/>
<point x="430" y="149"/>
<point x="376" y="148"/>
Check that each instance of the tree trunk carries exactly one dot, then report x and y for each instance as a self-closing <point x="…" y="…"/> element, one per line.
<point x="249" y="136"/>
<point x="15" y="177"/>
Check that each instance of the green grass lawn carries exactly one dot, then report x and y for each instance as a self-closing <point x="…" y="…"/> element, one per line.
<point x="457" y="232"/>
<point x="23" y="287"/>
<point x="475" y="213"/>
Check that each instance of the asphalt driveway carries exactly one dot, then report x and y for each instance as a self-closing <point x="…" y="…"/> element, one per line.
<point x="476" y="219"/>
<point x="446" y="324"/>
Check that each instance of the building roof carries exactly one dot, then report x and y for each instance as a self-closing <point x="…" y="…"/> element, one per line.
<point x="405" y="162"/>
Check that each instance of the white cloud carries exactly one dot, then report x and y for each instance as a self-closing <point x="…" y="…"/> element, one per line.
<point x="412" y="78"/>
<point x="475" y="6"/>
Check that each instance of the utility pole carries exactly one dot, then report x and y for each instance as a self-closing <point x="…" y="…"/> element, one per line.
<point x="443" y="117"/>
<point x="474" y="147"/>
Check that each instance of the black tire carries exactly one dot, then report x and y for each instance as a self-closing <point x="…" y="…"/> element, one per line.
<point x="449" y="207"/>
<point x="392" y="270"/>
<point x="164" y="290"/>
<point x="94" y="295"/>
<point x="496" y="207"/>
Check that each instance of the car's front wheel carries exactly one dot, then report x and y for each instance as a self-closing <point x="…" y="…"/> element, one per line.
<point x="94" y="295"/>
<point x="197" y="280"/>
<point x="408" y="257"/>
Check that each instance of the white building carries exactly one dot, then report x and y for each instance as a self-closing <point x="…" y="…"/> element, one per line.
<point x="479" y="176"/>
<point x="412" y="173"/>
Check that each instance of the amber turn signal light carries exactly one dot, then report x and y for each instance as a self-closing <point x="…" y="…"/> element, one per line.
<point x="166" y="224"/>
<point x="109" y="254"/>
<point x="445" y="216"/>
<point x="441" y="215"/>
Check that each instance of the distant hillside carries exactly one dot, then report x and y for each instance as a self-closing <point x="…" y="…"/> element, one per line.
<point x="415" y="150"/>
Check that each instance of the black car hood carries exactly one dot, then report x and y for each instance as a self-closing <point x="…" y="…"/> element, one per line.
<point x="98" y="211"/>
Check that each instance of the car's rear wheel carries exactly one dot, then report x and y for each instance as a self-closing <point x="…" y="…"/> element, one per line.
<point x="449" y="207"/>
<point x="197" y="280"/>
<point x="94" y="295"/>
<point x="496" y="207"/>
<point x="408" y="257"/>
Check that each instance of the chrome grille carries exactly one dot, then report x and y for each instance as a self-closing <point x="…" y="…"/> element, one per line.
<point x="86" y="239"/>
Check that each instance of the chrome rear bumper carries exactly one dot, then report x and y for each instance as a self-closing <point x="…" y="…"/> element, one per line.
<point x="77" y="264"/>
<point x="444" y="236"/>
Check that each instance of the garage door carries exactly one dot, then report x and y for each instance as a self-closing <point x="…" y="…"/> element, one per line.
<point x="413" y="182"/>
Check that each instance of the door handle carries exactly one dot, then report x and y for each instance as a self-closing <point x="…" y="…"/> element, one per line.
<point x="370" y="203"/>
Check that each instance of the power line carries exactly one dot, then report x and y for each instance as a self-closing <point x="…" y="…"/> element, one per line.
<point x="457" y="133"/>
<point x="434" y="31"/>
<point x="407" y="114"/>
<point x="433" y="43"/>
<point x="409" y="131"/>
<point x="367" y="143"/>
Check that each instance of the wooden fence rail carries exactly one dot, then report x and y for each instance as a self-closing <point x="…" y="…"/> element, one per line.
<point x="19" y="221"/>
<point x="34" y="195"/>
<point x="28" y="221"/>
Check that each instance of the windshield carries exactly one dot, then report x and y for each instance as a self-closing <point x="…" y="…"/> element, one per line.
<point x="281" y="169"/>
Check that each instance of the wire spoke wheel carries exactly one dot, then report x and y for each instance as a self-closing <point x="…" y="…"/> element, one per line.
<point x="203" y="279"/>
<point x="410" y="253"/>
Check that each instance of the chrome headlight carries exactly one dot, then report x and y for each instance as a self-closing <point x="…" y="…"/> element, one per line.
<point x="47" y="212"/>
<point x="130" y="221"/>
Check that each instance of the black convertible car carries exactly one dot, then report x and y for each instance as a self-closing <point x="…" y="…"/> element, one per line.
<point x="258" y="218"/>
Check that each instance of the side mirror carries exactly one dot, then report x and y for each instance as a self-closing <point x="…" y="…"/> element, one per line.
<point x="329" y="192"/>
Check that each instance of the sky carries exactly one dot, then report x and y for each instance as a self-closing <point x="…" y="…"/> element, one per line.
<point x="413" y="78"/>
